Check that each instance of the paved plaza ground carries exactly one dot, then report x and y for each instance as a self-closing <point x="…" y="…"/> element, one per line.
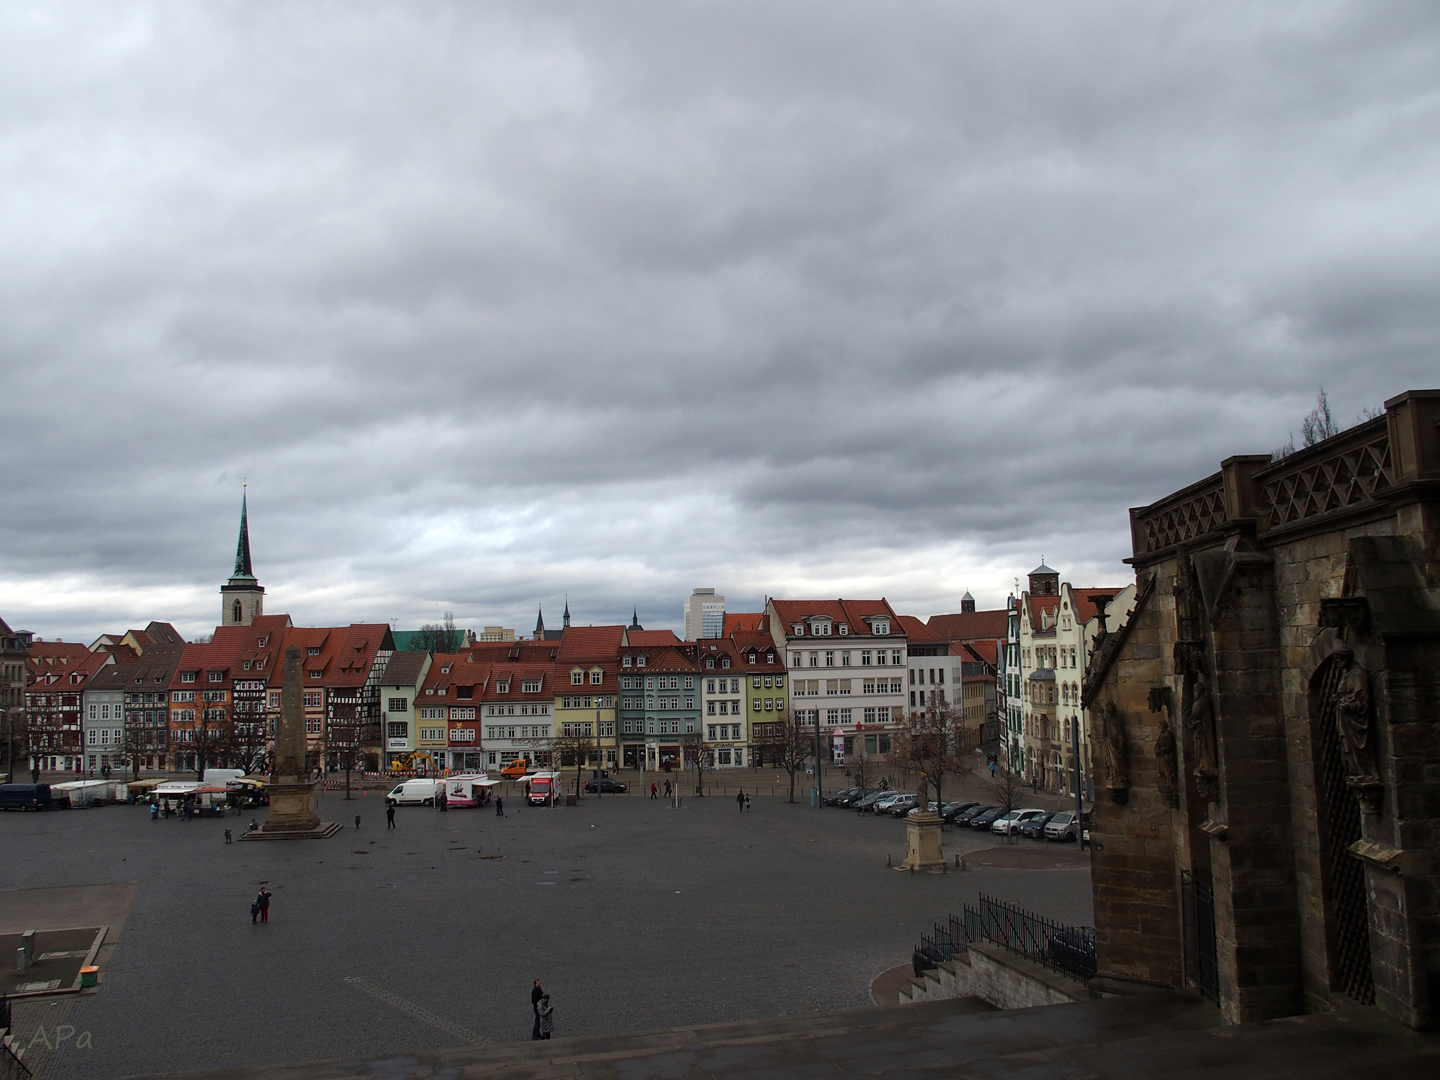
<point x="636" y="916"/>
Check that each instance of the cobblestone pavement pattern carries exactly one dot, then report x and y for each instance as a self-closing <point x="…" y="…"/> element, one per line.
<point x="636" y="916"/>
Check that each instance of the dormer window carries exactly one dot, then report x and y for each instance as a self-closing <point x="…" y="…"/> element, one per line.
<point x="770" y="657"/>
<point x="625" y="662"/>
<point x="312" y="651"/>
<point x="820" y="627"/>
<point x="724" y="661"/>
<point x="799" y="629"/>
<point x="597" y="676"/>
<point x="844" y="629"/>
<point x="640" y="661"/>
<point x="187" y="676"/>
<point x="577" y="677"/>
<point x="710" y="662"/>
<point x="880" y="626"/>
<point x="530" y="686"/>
<point x="261" y="643"/>
<point x="752" y="659"/>
<point x="247" y="665"/>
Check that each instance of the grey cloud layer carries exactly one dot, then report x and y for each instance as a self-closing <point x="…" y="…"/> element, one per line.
<point x="492" y="301"/>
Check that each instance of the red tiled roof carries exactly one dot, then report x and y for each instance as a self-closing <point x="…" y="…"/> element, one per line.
<point x="915" y="630"/>
<point x="743" y="620"/>
<point x="505" y="682"/>
<point x="1085" y="610"/>
<point x="850" y="612"/>
<point x="970" y="625"/>
<point x="761" y="643"/>
<point x="1047" y="604"/>
<point x="590" y="643"/>
<point x="651" y="637"/>
<point x="677" y="657"/>
<point x="986" y="651"/>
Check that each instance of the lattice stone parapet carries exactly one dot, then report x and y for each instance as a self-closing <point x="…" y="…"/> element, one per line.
<point x="1357" y="466"/>
<point x="1187" y="514"/>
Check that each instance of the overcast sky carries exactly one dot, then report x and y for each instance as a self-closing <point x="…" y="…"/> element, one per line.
<point x="495" y="302"/>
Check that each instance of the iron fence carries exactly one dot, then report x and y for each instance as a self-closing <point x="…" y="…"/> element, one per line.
<point x="1055" y="945"/>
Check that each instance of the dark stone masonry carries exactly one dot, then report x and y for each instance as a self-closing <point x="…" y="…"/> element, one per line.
<point x="1278" y="843"/>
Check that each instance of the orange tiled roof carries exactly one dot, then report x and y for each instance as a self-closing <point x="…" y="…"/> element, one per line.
<point x="851" y="612"/>
<point x="590" y="643"/>
<point x="970" y="625"/>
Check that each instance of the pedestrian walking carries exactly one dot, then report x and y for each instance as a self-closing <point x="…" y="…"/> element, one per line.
<point x="228" y="837"/>
<point x="154" y="811"/>
<point x="389" y="817"/>
<point x="441" y="802"/>
<point x="261" y="906"/>
<point x="740" y="801"/>
<point x="653" y="795"/>
<point x="357" y="821"/>
<point x="667" y="789"/>
<point x="536" y="993"/>
<point x="1034" y="784"/>
<point x="499" y="806"/>
<point x="747" y="802"/>
<point x="546" y="1016"/>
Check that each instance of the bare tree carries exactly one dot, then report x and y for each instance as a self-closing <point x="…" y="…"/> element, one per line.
<point x="694" y="750"/>
<point x="1318" y="425"/>
<point x="212" y="737"/>
<point x="439" y="638"/>
<point x="792" y="746"/>
<point x="1009" y="788"/>
<point x="249" y="739"/>
<point x="343" y="731"/>
<point x="934" y="743"/>
<point x="135" y="743"/>
<point x="573" y="747"/>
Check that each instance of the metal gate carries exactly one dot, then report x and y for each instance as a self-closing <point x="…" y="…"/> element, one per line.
<point x="1344" y="876"/>
<point x="1198" y="906"/>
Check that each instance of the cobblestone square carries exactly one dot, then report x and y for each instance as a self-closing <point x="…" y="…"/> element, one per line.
<point x="634" y="914"/>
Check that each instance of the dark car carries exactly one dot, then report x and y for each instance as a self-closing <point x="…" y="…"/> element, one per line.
<point x="1035" y="827"/>
<point x="965" y="817"/>
<point x="843" y="797"/>
<point x="951" y="810"/>
<point x="605" y="786"/>
<point x="855" y="796"/>
<point x="985" y="820"/>
<point x="25" y="797"/>
<point x="864" y="804"/>
<point x="1073" y="949"/>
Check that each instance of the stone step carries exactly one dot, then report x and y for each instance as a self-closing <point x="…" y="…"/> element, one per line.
<point x="1165" y="1033"/>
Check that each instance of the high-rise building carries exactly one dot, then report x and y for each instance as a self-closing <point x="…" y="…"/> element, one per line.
<point x="704" y="615"/>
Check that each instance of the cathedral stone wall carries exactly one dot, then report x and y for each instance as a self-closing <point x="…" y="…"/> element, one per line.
<point x="1267" y="823"/>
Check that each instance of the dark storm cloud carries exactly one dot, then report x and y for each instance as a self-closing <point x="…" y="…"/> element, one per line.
<point x="492" y="303"/>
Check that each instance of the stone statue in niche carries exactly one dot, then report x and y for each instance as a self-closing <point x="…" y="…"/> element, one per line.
<point x="1111" y="735"/>
<point x="1352" y="719"/>
<point x="1165" y="764"/>
<point x="1201" y="723"/>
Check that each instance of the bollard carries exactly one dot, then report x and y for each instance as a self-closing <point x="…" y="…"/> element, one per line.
<point x="887" y="859"/>
<point x="25" y="954"/>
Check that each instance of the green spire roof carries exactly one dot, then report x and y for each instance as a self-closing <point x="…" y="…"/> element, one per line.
<point x="242" y="549"/>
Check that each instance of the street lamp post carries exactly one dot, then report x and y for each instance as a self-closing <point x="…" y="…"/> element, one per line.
<point x="599" y="753"/>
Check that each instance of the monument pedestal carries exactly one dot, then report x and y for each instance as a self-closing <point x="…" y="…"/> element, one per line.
<point x="922" y="834"/>
<point x="292" y="814"/>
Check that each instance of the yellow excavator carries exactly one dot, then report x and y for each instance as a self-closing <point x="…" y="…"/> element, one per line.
<point x="411" y="761"/>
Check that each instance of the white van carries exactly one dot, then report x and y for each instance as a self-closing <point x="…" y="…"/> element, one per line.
<point x="414" y="793"/>
<point x="221" y="777"/>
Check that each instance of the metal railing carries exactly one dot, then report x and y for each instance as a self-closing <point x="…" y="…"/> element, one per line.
<point x="1198" y="911"/>
<point x="11" y="1067"/>
<point x="1057" y="946"/>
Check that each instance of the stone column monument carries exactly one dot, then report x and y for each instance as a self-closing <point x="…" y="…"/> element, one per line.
<point x="292" y="792"/>
<point x="922" y="836"/>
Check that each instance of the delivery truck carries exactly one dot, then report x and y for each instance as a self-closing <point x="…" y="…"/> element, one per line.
<point x="542" y="788"/>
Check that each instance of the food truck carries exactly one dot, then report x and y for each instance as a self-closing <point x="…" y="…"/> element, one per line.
<point x="467" y="789"/>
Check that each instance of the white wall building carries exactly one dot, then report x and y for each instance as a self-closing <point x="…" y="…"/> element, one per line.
<point x="704" y="615"/>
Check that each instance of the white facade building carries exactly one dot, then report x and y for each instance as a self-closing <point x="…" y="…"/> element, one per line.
<point x="704" y="615"/>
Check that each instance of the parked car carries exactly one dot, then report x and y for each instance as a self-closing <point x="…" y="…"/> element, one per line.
<point x="842" y="797"/>
<point x="967" y="817"/>
<point x="882" y="806"/>
<point x="1073" y="950"/>
<point x="1034" y="829"/>
<point x="1066" y="825"/>
<point x="856" y="795"/>
<point x="415" y="793"/>
<point x="863" y="804"/>
<point x="25" y="797"/>
<point x="1006" y="824"/>
<point x="605" y="786"/>
<point x="951" y="810"/>
<point x="985" y="820"/>
<point x="903" y="805"/>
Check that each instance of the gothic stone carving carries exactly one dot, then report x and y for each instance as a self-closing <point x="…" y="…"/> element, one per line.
<point x="1352" y="719"/>
<point x="1111" y="736"/>
<point x="1166" y="764"/>
<point x="1200" y="722"/>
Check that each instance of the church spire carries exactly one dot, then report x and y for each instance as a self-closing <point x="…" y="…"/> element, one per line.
<point x="243" y="571"/>
<point x="567" y="612"/>
<point x="539" y="623"/>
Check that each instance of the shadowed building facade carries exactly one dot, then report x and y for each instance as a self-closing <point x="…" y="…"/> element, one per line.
<point x="1267" y="735"/>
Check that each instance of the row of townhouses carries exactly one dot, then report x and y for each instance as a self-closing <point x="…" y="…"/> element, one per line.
<point x="850" y="674"/>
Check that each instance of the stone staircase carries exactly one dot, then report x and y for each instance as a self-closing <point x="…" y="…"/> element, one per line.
<point x="1163" y="1033"/>
<point x="995" y="975"/>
